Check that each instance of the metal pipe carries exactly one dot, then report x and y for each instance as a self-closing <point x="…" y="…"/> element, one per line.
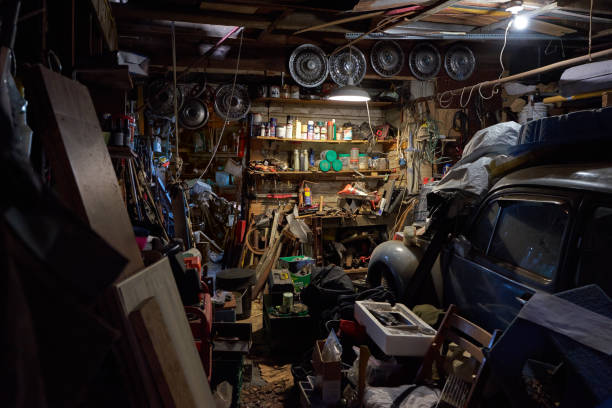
<point x="462" y="37"/>
<point x="546" y="68"/>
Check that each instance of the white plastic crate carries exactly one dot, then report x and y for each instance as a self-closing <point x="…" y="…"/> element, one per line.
<point x="394" y="342"/>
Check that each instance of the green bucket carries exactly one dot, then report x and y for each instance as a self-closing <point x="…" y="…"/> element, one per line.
<point x="336" y="165"/>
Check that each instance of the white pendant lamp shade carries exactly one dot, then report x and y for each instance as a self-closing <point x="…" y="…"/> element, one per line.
<point x="350" y="93"/>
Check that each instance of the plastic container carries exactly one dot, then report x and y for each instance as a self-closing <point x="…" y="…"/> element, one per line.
<point x="222" y="178"/>
<point x="297" y="129"/>
<point x="289" y="130"/>
<point x="329" y="155"/>
<point x="391" y="341"/>
<point x="304" y="165"/>
<point x="354" y="160"/>
<point x="345" y="159"/>
<point x="324" y="165"/>
<point x="296" y="160"/>
<point x="304" y="135"/>
<point x="337" y="165"/>
<point x="310" y="130"/>
<point x="317" y="131"/>
<point x="363" y="161"/>
<point x="348" y="133"/>
<point x="281" y="132"/>
<point x="323" y="130"/>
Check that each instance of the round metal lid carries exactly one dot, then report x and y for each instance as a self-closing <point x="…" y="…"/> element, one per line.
<point x="347" y="63"/>
<point x="232" y="107"/>
<point x="424" y="61"/>
<point x="387" y="58"/>
<point x="193" y="115"/>
<point x="308" y="65"/>
<point x="459" y="62"/>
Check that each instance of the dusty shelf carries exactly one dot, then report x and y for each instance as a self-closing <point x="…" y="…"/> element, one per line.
<point x="325" y="102"/>
<point x="318" y="173"/>
<point x="286" y="140"/>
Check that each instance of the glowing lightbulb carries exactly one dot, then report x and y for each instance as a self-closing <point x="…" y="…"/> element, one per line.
<point x="520" y="22"/>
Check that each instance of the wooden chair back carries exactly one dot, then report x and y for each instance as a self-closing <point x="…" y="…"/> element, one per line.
<point x="456" y="392"/>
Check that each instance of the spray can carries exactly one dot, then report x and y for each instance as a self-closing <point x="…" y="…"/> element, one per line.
<point x="307" y="196"/>
<point x="334" y="129"/>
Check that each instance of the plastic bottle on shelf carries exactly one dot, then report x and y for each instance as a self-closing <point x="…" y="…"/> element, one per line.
<point x="296" y="160"/>
<point x="323" y="130"/>
<point x="289" y="128"/>
<point x="310" y="130"/>
<point x="297" y="129"/>
<point x="305" y="163"/>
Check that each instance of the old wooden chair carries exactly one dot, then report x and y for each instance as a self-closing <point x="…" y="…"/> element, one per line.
<point x="457" y="392"/>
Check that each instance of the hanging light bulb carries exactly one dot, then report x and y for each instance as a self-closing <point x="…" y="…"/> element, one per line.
<point x="350" y="93"/>
<point x="520" y="22"/>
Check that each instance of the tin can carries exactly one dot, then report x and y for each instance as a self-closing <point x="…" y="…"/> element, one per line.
<point x="274" y="91"/>
<point x="304" y="131"/>
<point x="287" y="306"/>
<point x="348" y="133"/>
<point x="310" y="130"/>
<point x="295" y="92"/>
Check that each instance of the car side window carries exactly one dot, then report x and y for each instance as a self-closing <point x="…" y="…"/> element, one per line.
<point x="484" y="226"/>
<point x="529" y="235"/>
<point x="595" y="250"/>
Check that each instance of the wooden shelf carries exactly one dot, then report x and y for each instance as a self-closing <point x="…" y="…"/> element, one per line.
<point x="325" y="102"/>
<point x="278" y="139"/>
<point x="356" y="270"/>
<point x="318" y="173"/>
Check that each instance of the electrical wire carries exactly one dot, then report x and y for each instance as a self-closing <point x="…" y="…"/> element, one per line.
<point x="212" y="157"/>
<point x="590" y="29"/>
<point x="501" y="54"/>
<point x="175" y="101"/>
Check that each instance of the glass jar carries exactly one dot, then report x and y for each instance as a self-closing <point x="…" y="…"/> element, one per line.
<point x="363" y="161"/>
<point x="345" y="159"/>
<point x="354" y="159"/>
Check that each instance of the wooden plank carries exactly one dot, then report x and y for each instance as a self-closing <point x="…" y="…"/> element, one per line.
<point x="83" y="173"/>
<point x="129" y="12"/>
<point x="156" y="281"/>
<point x="325" y="102"/>
<point x="162" y="358"/>
<point x="340" y="21"/>
<point x="544" y="27"/>
<point x="606" y="99"/>
<point x="106" y="23"/>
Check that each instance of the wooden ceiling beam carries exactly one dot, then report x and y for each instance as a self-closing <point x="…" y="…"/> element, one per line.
<point x="274" y="24"/>
<point x="132" y="13"/>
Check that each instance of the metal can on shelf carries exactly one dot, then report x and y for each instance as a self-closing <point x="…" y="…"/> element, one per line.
<point x="274" y="91"/>
<point x="281" y="132"/>
<point x="272" y="127"/>
<point x="304" y="131"/>
<point x="323" y="130"/>
<point x="317" y="132"/>
<point x="348" y="133"/>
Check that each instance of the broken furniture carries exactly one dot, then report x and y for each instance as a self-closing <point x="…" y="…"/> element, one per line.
<point x="458" y="388"/>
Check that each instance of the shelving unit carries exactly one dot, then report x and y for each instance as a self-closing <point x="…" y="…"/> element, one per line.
<point x="324" y="102"/>
<point x="287" y="140"/>
<point x="318" y="173"/>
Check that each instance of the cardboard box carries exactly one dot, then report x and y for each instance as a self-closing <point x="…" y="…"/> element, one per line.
<point x="328" y="376"/>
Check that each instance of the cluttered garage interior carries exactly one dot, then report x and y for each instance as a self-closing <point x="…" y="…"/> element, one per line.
<point x="291" y="203"/>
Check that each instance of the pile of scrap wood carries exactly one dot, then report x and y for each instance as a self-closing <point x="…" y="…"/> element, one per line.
<point x="272" y="234"/>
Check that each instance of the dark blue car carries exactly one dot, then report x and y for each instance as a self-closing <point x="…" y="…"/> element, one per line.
<point x="545" y="228"/>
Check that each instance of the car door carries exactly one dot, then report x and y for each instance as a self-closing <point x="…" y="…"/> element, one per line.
<point x="513" y="249"/>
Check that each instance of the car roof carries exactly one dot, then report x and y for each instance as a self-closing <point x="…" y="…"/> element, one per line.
<point x="590" y="177"/>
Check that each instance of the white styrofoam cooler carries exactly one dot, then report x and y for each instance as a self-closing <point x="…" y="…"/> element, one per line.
<point x="393" y="342"/>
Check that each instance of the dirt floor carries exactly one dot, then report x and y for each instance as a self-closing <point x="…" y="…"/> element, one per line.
<point x="270" y="384"/>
